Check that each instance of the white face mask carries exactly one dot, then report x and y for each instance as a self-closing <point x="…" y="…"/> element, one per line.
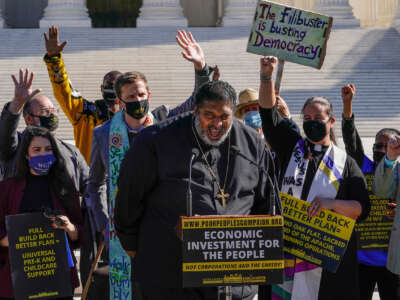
<point x="204" y="137"/>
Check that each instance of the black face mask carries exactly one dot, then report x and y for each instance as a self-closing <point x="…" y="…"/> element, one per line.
<point x="378" y="156"/>
<point x="314" y="130"/>
<point x="137" y="109"/>
<point x="49" y="122"/>
<point x="109" y="95"/>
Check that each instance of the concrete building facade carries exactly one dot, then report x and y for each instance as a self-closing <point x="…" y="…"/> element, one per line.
<point x="193" y="13"/>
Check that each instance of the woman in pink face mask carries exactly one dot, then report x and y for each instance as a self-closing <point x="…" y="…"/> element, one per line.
<point x="41" y="182"/>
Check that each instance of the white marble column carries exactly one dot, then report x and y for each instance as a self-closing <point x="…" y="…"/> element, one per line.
<point x="340" y="10"/>
<point x="161" y="13"/>
<point x="66" y="13"/>
<point x="239" y="12"/>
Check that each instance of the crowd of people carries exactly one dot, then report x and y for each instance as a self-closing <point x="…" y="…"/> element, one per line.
<point x="124" y="185"/>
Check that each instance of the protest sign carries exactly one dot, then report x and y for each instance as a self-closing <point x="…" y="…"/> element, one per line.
<point x="289" y="33"/>
<point x="321" y="240"/>
<point x="374" y="231"/>
<point x="38" y="258"/>
<point x="232" y="250"/>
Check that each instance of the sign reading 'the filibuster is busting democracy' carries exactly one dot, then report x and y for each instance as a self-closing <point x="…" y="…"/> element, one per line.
<point x="289" y="33"/>
<point x="232" y="250"/>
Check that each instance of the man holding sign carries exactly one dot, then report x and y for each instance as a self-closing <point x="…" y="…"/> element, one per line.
<point x="315" y="170"/>
<point x="231" y="171"/>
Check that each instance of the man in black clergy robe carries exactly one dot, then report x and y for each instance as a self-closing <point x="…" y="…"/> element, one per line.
<point x="232" y="174"/>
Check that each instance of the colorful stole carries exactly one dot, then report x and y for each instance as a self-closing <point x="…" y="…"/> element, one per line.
<point x="120" y="262"/>
<point x="302" y="279"/>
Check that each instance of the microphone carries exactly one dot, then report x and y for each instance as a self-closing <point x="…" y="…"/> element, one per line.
<point x="273" y="181"/>
<point x="189" y="202"/>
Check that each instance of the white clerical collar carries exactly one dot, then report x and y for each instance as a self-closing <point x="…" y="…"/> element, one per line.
<point x="317" y="148"/>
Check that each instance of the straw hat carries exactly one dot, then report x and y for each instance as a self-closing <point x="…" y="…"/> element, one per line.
<point x="246" y="97"/>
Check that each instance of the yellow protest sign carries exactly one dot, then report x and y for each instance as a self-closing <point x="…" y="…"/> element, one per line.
<point x="321" y="240"/>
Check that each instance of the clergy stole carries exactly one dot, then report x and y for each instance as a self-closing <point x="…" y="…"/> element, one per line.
<point x="120" y="262"/>
<point x="302" y="279"/>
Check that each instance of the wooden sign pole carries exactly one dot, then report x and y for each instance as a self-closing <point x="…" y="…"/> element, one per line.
<point x="279" y="74"/>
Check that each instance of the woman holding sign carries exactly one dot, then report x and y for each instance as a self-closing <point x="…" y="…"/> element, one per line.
<point x="41" y="182"/>
<point x="314" y="170"/>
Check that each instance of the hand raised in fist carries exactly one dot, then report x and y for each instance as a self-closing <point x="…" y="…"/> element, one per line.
<point x="216" y="74"/>
<point x="393" y="147"/>
<point x="348" y="92"/>
<point x="23" y="91"/>
<point x="192" y="50"/>
<point x="268" y="65"/>
<point x="53" y="47"/>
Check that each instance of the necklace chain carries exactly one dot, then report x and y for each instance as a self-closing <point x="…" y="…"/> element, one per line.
<point x="222" y="195"/>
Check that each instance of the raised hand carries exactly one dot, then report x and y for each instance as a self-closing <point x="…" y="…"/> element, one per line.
<point x="192" y="50"/>
<point x="53" y="47"/>
<point x="23" y="90"/>
<point x="348" y="92"/>
<point x="268" y="65"/>
<point x="393" y="148"/>
<point x="216" y="74"/>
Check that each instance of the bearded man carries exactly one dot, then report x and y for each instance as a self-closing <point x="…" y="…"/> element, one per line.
<point x="230" y="168"/>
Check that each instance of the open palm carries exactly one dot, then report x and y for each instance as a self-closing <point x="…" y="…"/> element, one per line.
<point x="23" y="87"/>
<point x="192" y="50"/>
<point x="53" y="47"/>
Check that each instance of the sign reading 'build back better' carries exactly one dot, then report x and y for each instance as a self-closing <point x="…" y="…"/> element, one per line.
<point x="232" y="250"/>
<point x="290" y="34"/>
<point x="321" y="240"/>
<point x="38" y="258"/>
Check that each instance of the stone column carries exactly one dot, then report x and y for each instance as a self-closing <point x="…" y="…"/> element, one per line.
<point x="66" y="13"/>
<point x="161" y="13"/>
<point x="239" y="12"/>
<point x="386" y="12"/>
<point x="340" y="10"/>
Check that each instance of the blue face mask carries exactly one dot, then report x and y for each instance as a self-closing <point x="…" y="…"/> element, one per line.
<point x="41" y="164"/>
<point x="252" y="119"/>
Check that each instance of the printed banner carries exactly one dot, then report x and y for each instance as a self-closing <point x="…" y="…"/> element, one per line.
<point x="321" y="240"/>
<point x="232" y="250"/>
<point x="38" y="258"/>
<point x="290" y="34"/>
<point x="374" y="232"/>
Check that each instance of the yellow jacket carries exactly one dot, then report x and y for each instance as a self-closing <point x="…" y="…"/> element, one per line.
<point x="83" y="114"/>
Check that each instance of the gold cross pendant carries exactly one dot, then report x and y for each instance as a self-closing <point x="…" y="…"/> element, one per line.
<point x="222" y="195"/>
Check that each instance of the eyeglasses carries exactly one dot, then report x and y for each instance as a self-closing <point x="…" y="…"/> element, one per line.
<point x="378" y="146"/>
